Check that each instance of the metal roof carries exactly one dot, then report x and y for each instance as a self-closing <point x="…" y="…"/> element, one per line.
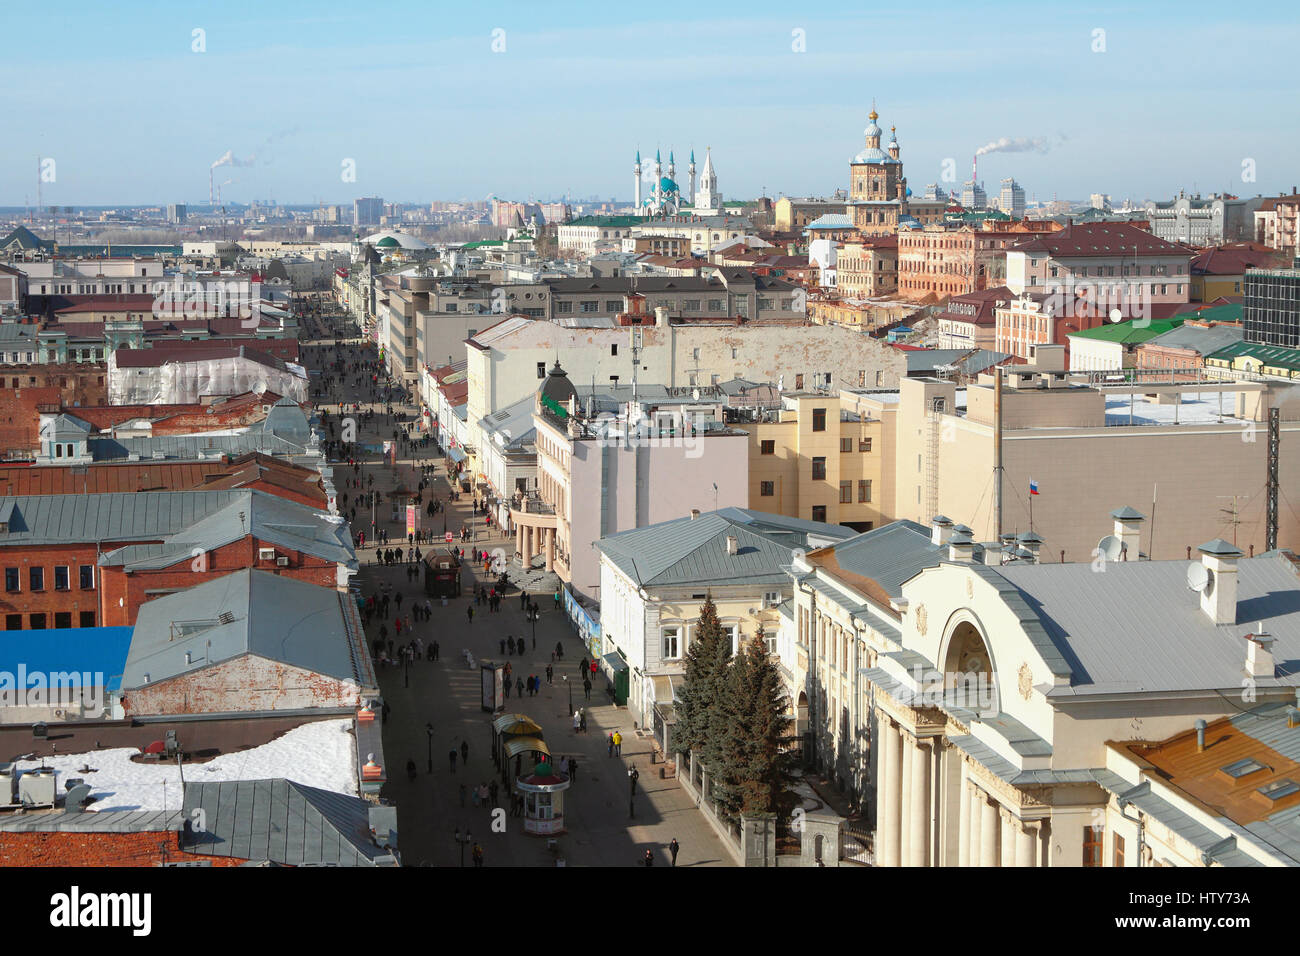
<point x="1137" y="628"/>
<point x="63" y="519"/>
<point x="688" y="551"/>
<point x="247" y="612"/>
<point x="284" y="822"/>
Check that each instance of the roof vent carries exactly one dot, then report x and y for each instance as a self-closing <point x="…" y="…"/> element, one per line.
<point x="1259" y="653"/>
<point x="733" y="544"/>
<point x="695" y="513"/>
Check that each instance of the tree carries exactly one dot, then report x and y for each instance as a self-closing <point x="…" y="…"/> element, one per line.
<point x="706" y="669"/>
<point x="750" y="767"/>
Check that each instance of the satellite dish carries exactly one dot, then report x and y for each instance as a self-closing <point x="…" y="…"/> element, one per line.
<point x="1110" y="547"/>
<point x="1198" y="576"/>
<point x="1116" y="315"/>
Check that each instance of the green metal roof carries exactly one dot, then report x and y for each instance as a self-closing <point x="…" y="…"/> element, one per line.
<point x="1128" y="333"/>
<point x="605" y="221"/>
<point x="1274" y="356"/>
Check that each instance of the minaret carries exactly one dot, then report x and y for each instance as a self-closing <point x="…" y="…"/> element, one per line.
<point x="893" y="142"/>
<point x="691" y="170"/>
<point x="655" y="192"/>
<point x="672" y="167"/>
<point x="636" y="190"/>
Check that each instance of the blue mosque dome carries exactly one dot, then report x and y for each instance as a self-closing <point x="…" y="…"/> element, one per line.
<point x="667" y="185"/>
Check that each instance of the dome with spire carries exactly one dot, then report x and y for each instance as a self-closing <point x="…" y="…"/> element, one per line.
<point x="557" y="388"/>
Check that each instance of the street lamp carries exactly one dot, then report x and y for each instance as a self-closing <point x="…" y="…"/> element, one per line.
<point x="406" y="670"/>
<point x="428" y="729"/>
<point x="463" y="840"/>
<point x="532" y="617"/>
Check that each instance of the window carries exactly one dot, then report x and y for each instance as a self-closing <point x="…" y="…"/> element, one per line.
<point x="864" y="444"/>
<point x="695" y="354"/>
<point x="541" y="370"/>
<point x="12" y="580"/>
<point x="87" y="619"/>
<point x="63" y="619"/>
<point x="819" y="469"/>
<point x="766" y="489"/>
<point x="62" y="578"/>
<point x="798" y="381"/>
<point x="864" y="491"/>
<point x="819" y="420"/>
<point x="613" y="305"/>
<point x="1092" y="840"/>
<point x="87" y="576"/>
<point x="732" y="633"/>
<point x="767" y="447"/>
<point x="693" y="305"/>
<point x="613" y="349"/>
<point x="13" y="622"/>
<point x="672" y="643"/>
<point x="564" y="307"/>
<point x="771" y="598"/>
<point x="846" y="492"/>
<point x="715" y="305"/>
<point x="769" y="638"/>
<point x="36" y="579"/>
<point x="846" y="445"/>
<point x="36" y="622"/>
<point x="1119" y="850"/>
<point x="819" y="513"/>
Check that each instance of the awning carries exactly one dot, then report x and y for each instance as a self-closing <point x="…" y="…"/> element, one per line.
<point x="665" y="692"/>
<point x="526" y="745"/>
<point x="516" y="724"/>
<point x="615" y="662"/>
<point x="456" y="455"/>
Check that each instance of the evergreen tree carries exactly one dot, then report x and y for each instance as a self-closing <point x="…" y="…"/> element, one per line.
<point x="750" y="768"/>
<point x="706" y="665"/>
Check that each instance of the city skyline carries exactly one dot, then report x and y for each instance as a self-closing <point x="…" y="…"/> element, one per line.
<point x="572" y="94"/>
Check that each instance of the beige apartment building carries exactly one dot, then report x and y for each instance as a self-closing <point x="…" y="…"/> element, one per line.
<point x="867" y="267"/>
<point x="823" y="458"/>
<point x="1193" y="458"/>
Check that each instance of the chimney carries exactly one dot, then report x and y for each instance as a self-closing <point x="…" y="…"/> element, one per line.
<point x="1030" y="542"/>
<point x="1128" y="528"/>
<point x="1219" y="596"/>
<point x="695" y="513"/>
<point x="1259" y="653"/>
<point x="661" y="317"/>
<point x="940" y="529"/>
<point x="1200" y="735"/>
<point x="961" y="547"/>
<point x="733" y="545"/>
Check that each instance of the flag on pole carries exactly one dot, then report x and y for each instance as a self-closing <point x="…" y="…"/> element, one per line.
<point x="1033" y="487"/>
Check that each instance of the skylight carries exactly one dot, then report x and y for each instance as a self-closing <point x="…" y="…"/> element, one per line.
<point x="1242" y="768"/>
<point x="1280" y="788"/>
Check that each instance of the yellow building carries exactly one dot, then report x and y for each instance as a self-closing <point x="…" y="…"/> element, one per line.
<point x="823" y="458"/>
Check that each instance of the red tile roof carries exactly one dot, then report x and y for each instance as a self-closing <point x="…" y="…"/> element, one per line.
<point x="1230" y="262"/>
<point x="108" y="303"/>
<point x="1100" y="239"/>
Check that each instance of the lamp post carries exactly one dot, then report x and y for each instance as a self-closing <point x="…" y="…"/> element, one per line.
<point x="632" y="776"/>
<point x="428" y="729"/>
<point x="406" y="669"/>
<point x="464" y="839"/>
<point x="532" y="617"/>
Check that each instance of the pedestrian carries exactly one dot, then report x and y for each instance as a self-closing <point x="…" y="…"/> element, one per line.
<point x="573" y="769"/>
<point x="559" y="650"/>
<point x="610" y="748"/>
<point x="672" y="849"/>
<point x="462" y="795"/>
<point x="520" y="687"/>
<point x="503" y="644"/>
<point x="586" y="688"/>
<point x="436" y="650"/>
<point x="452" y="757"/>
<point x="618" y="744"/>
<point x="550" y="674"/>
<point x="592" y="667"/>
<point x="478" y="855"/>
<point x="582" y="722"/>
<point x="649" y="858"/>
<point x="493" y="791"/>
<point x="469" y="611"/>
<point x="577" y="719"/>
<point x="510" y="643"/>
<point x="464" y="752"/>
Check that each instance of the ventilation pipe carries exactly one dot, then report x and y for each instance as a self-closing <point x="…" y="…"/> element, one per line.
<point x="1200" y="736"/>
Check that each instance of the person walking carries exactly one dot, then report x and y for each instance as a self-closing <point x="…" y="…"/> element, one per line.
<point x="609" y="748"/>
<point x="577" y="719"/>
<point x="462" y="794"/>
<point x="464" y="752"/>
<point x="469" y="611"/>
<point x="478" y="854"/>
<point x="586" y="688"/>
<point x="452" y="757"/>
<point x="582" y="722"/>
<point x="672" y="850"/>
<point x="618" y="744"/>
<point x="519" y="685"/>
<point x="649" y="858"/>
<point x="573" y="769"/>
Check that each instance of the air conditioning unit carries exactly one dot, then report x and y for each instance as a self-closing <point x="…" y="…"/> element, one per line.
<point x="282" y="562"/>
<point x="36" y="787"/>
<point x="266" y="554"/>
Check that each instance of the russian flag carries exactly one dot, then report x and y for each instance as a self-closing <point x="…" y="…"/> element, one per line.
<point x="1033" y="487"/>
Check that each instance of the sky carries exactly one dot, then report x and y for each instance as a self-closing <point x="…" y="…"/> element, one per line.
<point x="128" y="104"/>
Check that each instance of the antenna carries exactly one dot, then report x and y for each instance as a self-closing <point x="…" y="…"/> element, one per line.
<point x="1198" y="576"/>
<point x="1111" y="548"/>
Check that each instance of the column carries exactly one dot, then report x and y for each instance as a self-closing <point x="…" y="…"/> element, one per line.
<point x="529" y="550"/>
<point x="1026" y="844"/>
<point x="976" y="818"/>
<point x="963" y="821"/>
<point x="1007" y="849"/>
<point x="919" y="807"/>
<point x="990" y="831"/>
<point x="550" y="549"/>
<point x="905" y="799"/>
<point x="891" y="779"/>
<point x="519" y="540"/>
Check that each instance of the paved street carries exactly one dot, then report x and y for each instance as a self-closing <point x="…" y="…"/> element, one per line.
<point x="446" y="693"/>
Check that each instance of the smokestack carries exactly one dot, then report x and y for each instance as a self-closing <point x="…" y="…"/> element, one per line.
<point x="1200" y="736"/>
<point x="973" y="160"/>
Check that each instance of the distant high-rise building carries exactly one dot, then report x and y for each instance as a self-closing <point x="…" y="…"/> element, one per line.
<point x="1011" y="200"/>
<point x="973" y="196"/>
<point x="1099" y="201"/>
<point x="936" y="193"/>
<point x="368" y="211"/>
<point x="1271" y="307"/>
<point x="176" y="212"/>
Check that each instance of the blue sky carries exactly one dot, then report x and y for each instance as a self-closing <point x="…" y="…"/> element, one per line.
<point x="414" y="94"/>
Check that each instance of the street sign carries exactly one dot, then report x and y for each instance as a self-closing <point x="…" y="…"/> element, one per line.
<point x="447" y="537"/>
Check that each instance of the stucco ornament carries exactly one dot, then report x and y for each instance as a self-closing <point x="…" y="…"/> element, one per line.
<point x="921" y="619"/>
<point x="1025" y="681"/>
<point x="970" y="588"/>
